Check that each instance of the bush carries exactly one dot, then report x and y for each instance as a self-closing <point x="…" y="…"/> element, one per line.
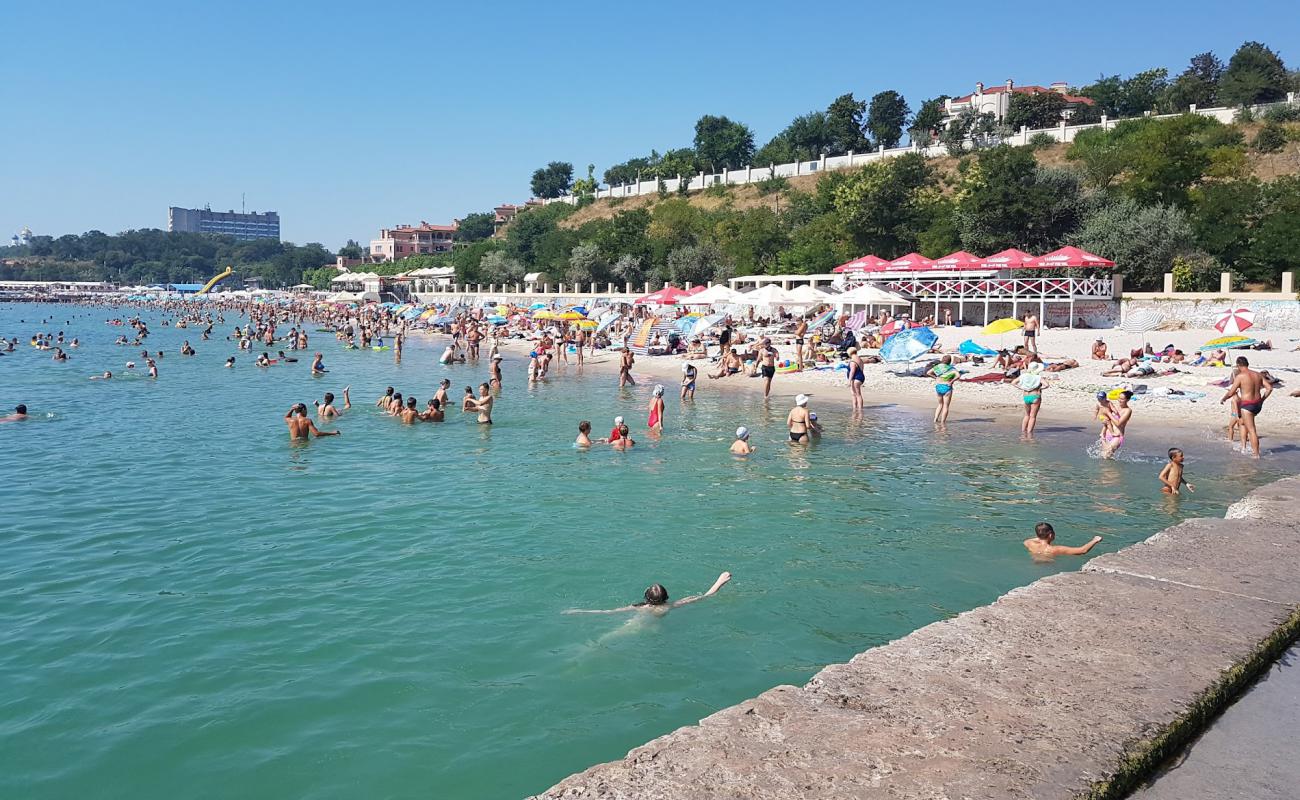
<point x="1244" y="114"/>
<point x="772" y="185"/>
<point x="1288" y="112"/>
<point x="1040" y="141"/>
<point x="1195" y="272"/>
<point x="718" y="190"/>
<point x="615" y="201"/>
<point x="1271" y="138"/>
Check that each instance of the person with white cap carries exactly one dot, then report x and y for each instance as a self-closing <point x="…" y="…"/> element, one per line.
<point x="689" y="373"/>
<point x="1030" y="383"/>
<point x="495" y="372"/>
<point x="741" y="447"/>
<point x="613" y="433"/>
<point x="797" y="421"/>
<point x="656" y="419"/>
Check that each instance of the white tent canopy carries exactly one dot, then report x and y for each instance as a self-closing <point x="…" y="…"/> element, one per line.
<point x="809" y="295"/>
<point x="767" y="295"/>
<point x="868" y="295"/>
<point x="717" y="293"/>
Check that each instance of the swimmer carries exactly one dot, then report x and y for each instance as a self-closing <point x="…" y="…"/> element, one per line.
<point x="411" y="413"/>
<point x="797" y="420"/>
<point x="107" y="376"/>
<point x="59" y="355"/>
<point x="395" y="406"/>
<point x="441" y="394"/>
<point x="20" y="414"/>
<point x="1172" y="475"/>
<point x="741" y="447"/>
<point x="689" y="374"/>
<point x="230" y="362"/>
<point x="327" y="410"/>
<point x="301" y="426"/>
<point x="264" y="360"/>
<point x="656" y="418"/>
<point x="656" y="600"/>
<point x="449" y="356"/>
<point x="153" y="368"/>
<point x="287" y="359"/>
<point x="434" y="412"/>
<point x="483" y="405"/>
<point x="624" y="440"/>
<point x="467" y="402"/>
<point x="1042" y="548"/>
<point x="584" y="434"/>
<point x="613" y="432"/>
<point x="386" y="401"/>
<point x="318" y="365"/>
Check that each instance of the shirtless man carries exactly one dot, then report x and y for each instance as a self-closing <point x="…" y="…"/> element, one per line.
<point x="579" y="342"/>
<point x="799" y="331"/>
<point x="300" y="425"/>
<point x="20" y="414"/>
<point x="1041" y="547"/>
<point x="1031" y="332"/>
<point x="434" y="412"/>
<point x="411" y="413"/>
<point x="797" y="421"/>
<point x="327" y="410"/>
<point x="1251" y="389"/>
<point x="441" y="394"/>
<point x="483" y="404"/>
<point x="767" y="364"/>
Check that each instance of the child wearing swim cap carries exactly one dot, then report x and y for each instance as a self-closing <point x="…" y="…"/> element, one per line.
<point x="741" y="447"/>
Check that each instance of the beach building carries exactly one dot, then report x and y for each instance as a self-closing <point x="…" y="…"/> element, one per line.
<point x="996" y="100"/>
<point x="397" y="243"/>
<point x="253" y="225"/>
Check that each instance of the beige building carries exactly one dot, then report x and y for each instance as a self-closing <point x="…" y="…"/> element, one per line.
<point x="397" y="243"/>
<point x="997" y="100"/>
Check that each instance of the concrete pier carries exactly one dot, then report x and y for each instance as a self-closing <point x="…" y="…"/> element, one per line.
<point x="1074" y="686"/>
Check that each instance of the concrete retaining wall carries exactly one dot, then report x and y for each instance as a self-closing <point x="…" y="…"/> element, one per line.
<point x="1073" y="686"/>
<point x="1203" y="312"/>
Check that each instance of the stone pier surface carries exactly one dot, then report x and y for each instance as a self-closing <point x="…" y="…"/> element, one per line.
<point x="1074" y="686"/>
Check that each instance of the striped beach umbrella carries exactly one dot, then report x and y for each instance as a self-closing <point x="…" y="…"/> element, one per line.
<point x="1142" y="321"/>
<point x="1234" y="320"/>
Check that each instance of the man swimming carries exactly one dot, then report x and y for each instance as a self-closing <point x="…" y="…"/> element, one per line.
<point x="300" y="425"/>
<point x="20" y="414"/>
<point x="656" y="600"/>
<point x="1041" y="547"/>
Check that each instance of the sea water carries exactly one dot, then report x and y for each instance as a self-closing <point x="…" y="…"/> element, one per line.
<point x="193" y="606"/>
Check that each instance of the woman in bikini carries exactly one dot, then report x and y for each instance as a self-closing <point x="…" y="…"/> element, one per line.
<point x="1031" y="386"/>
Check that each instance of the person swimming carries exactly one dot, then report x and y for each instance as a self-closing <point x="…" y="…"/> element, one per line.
<point x="741" y="447"/>
<point x="1041" y="547"/>
<point x="657" y="601"/>
<point x="584" y="434"/>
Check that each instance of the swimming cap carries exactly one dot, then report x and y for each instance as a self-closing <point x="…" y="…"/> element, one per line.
<point x="618" y="420"/>
<point x="742" y="432"/>
<point x="813" y="416"/>
<point x="1101" y="395"/>
<point x="659" y="389"/>
<point x="801" y="400"/>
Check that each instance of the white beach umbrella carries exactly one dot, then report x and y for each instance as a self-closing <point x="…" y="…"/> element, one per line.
<point x="1142" y="321"/>
<point x="711" y="296"/>
<point x="809" y="295"/>
<point x="868" y="295"/>
<point x="767" y="295"/>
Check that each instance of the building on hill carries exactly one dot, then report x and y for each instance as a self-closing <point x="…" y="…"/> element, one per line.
<point x="397" y="243"/>
<point x="997" y="100"/>
<point x="253" y="225"/>
<point x="504" y="214"/>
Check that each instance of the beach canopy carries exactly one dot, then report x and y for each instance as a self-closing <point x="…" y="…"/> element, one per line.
<point x="868" y="295"/>
<point x="1228" y="343"/>
<point x="1011" y="258"/>
<point x="1234" y="320"/>
<point x="767" y="295"/>
<point x="1142" y="320"/>
<point x="702" y="324"/>
<point x="809" y="295"/>
<point x="867" y="263"/>
<point x="856" y="321"/>
<point x="667" y="296"/>
<point x="712" y="295"/>
<point x="907" y="345"/>
<point x="822" y="319"/>
<point x="1070" y="257"/>
<point x="1006" y="325"/>
<point x="959" y="260"/>
<point x="912" y="262"/>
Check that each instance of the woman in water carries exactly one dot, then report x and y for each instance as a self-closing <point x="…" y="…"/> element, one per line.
<point x="656" y="600"/>
<point x="857" y="375"/>
<point x="945" y="376"/>
<point x="656" y="420"/>
<point x="1031" y="386"/>
<point x="584" y="434"/>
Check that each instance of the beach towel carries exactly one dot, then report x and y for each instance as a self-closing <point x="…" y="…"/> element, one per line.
<point x="988" y="377"/>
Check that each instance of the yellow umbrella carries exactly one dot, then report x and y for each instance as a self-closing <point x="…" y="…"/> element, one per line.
<point x="587" y="324"/>
<point x="543" y="313"/>
<point x="570" y="316"/>
<point x="1003" y="326"/>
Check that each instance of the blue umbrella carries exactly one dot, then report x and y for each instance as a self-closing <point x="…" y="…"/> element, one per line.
<point x="496" y="319"/>
<point x="907" y="345"/>
<point x="536" y="306"/>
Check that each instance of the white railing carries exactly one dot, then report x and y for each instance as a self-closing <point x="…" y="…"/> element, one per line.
<point x="1060" y="133"/>
<point x="1003" y="288"/>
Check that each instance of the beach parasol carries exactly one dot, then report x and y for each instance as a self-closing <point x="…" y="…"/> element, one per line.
<point x="1228" y="343"/>
<point x="714" y="294"/>
<point x="1142" y="321"/>
<point x="822" y="319"/>
<point x="704" y="323"/>
<point x="587" y="324"/>
<point x="1000" y="326"/>
<point x="1069" y="257"/>
<point x="907" y="345"/>
<point x="895" y="326"/>
<point x="1011" y="258"/>
<point x="766" y="295"/>
<point x="912" y="262"/>
<point x="1234" y="320"/>
<point x="570" y="316"/>
<point x="667" y="296"/>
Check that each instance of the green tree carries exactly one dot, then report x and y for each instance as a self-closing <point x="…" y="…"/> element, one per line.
<point x="623" y="234"/>
<point x="1042" y="110"/>
<point x="476" y="227"/>
<point x="1004" y="200"/>
<point x="887" y="117"/>
<point x="1221" y="216"/>
<point x="804" y="139"/>
<point x="1274" y="245"/>
<point x="1101" y="155"/>
<point x="1197" y="85"/>
<point x="1255" y="74"/>
<point x="721" y="143"/>
<point x="552" y="180"/>
<point x="497" y="267"/>
<point x="534" y="238"/>
<point x="750" y="240"/>
<point x="698" y="264"/>
<point x="844" y="123"/>
<point x="928" y="121"/>
<point x="587" y="264"/>
<point x="631" y="269"/>
<point x="586" y="187"/>
<point x="883" y="206"/>
<point x="1142" y="240"/>
<point x="351" y="250"/>
<point x="1130" y="97"/>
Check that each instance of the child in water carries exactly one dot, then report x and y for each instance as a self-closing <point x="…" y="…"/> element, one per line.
<point x="1172" y="475"/>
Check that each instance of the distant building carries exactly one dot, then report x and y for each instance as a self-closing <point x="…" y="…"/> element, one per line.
<point x="22" y="238"/>
<point x="265" y="225"/>
<point x="997" y="100"/>
<point x="508" y="211"/>
<point x="397" y="243"/>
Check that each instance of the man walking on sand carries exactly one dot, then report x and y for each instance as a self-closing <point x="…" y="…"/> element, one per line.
<point x="1251" y="389"/>
<point x="1031" y="332"/>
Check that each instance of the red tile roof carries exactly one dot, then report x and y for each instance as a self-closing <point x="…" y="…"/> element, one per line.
<point x="1026" y="90"/>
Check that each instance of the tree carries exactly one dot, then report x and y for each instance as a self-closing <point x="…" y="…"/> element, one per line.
<point x="1197" y="85"/>
<point x="1142" y="240"/>
<point x="587" y="264"/>
<point x="1004" y="200"/>
<point x="1255" y="74"/>
<point x="721" y="143"/>
<point x="351" y="250"/>
<point x="928" y="120"/>
<point x="804" y="139"/>
<point x="535" y="239"/>
<point x="1221" y="216"/>
<point x="750" y="240"/>
<point x="631" y="269"/>
<point x="698" y="264"/>
<point x="1274" y="245"/>
<point x="586" y="187"/>
<point x="1042" y="110"/>
<point x="1131" y="97"/>
<point x="497" y="267"/>
<point x="882" y="206"/>
<point x="887" y="117"/>
<point x="552" y="180"/>
<point x="1101" y="154"/>
<point x="623" y="234"/>
<point x="476" y="227"/>
<point x="844" y="125"/>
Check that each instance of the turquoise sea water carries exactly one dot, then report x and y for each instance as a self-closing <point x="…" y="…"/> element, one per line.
<point x="190" y="605"/>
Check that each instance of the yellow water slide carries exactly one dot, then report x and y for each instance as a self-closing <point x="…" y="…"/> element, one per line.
<point x="218" y="279"/>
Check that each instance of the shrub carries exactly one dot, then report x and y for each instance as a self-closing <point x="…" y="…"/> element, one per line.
<point x="1271" y="138"/>
<point x="772" y="185"/>
<point x="718" y="190"/>
<point x="615" y="201"/>
<point x="1288" y="112"/>
<point x="1195" y="272"/>
<point x="1244" y="114"/>
<point x="1041" y="140"/>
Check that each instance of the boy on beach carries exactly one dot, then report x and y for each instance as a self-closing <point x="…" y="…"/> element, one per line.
<point x="1172" y="475"/>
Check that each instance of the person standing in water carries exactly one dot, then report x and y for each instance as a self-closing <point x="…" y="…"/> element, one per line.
<point x="625" y="367"/>
<point x="741" y="447"/>
<point x="300" y="425"/>
<point x="1030" y="384"/>
<point x="656" y="418"/>
<point x="689" y="374"/>
<point x="1114" y="416"/>
<point x="656" y="600"/>
<point x="318" y="365"/>
<point x="945" y="376"/>
<point x="857" y="376"/>
<point x="1172" y="475"/>
<point x="1251" y="389"/>
<point x="1041" y="547"/>
<point x="483" y="404"/>
<point x="495" y="371"/>
<point x="797" y="421"/>
<point x="327" y="410"/>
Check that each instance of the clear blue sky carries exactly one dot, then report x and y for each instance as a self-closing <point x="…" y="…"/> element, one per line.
<point x="345" y="117"/>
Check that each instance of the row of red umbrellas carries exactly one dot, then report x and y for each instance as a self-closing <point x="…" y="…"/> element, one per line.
<point x="668" y="295"/>
<point x="1011" y="258"/>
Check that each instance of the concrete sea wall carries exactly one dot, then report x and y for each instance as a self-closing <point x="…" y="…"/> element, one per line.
<point x="1072" y="687"/>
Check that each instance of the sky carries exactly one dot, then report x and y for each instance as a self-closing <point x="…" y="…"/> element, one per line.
<point x="349" y="117"/>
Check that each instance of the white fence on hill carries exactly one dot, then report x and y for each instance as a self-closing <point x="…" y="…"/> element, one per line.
<point x="1061" y="133"/>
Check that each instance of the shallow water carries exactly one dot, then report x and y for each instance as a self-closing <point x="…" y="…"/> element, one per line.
<point x="193" y="606"/>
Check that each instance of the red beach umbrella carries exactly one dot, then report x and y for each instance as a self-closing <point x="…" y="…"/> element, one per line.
<point x="958" y="260"/>
<point x="667" y="296"/>
<point x="867" y="263"/>
<point x="1234" y="320"/>
<point x="1011" y="258"/>
<point x="914" y="262"/>
<point x="1071" y="257"/>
